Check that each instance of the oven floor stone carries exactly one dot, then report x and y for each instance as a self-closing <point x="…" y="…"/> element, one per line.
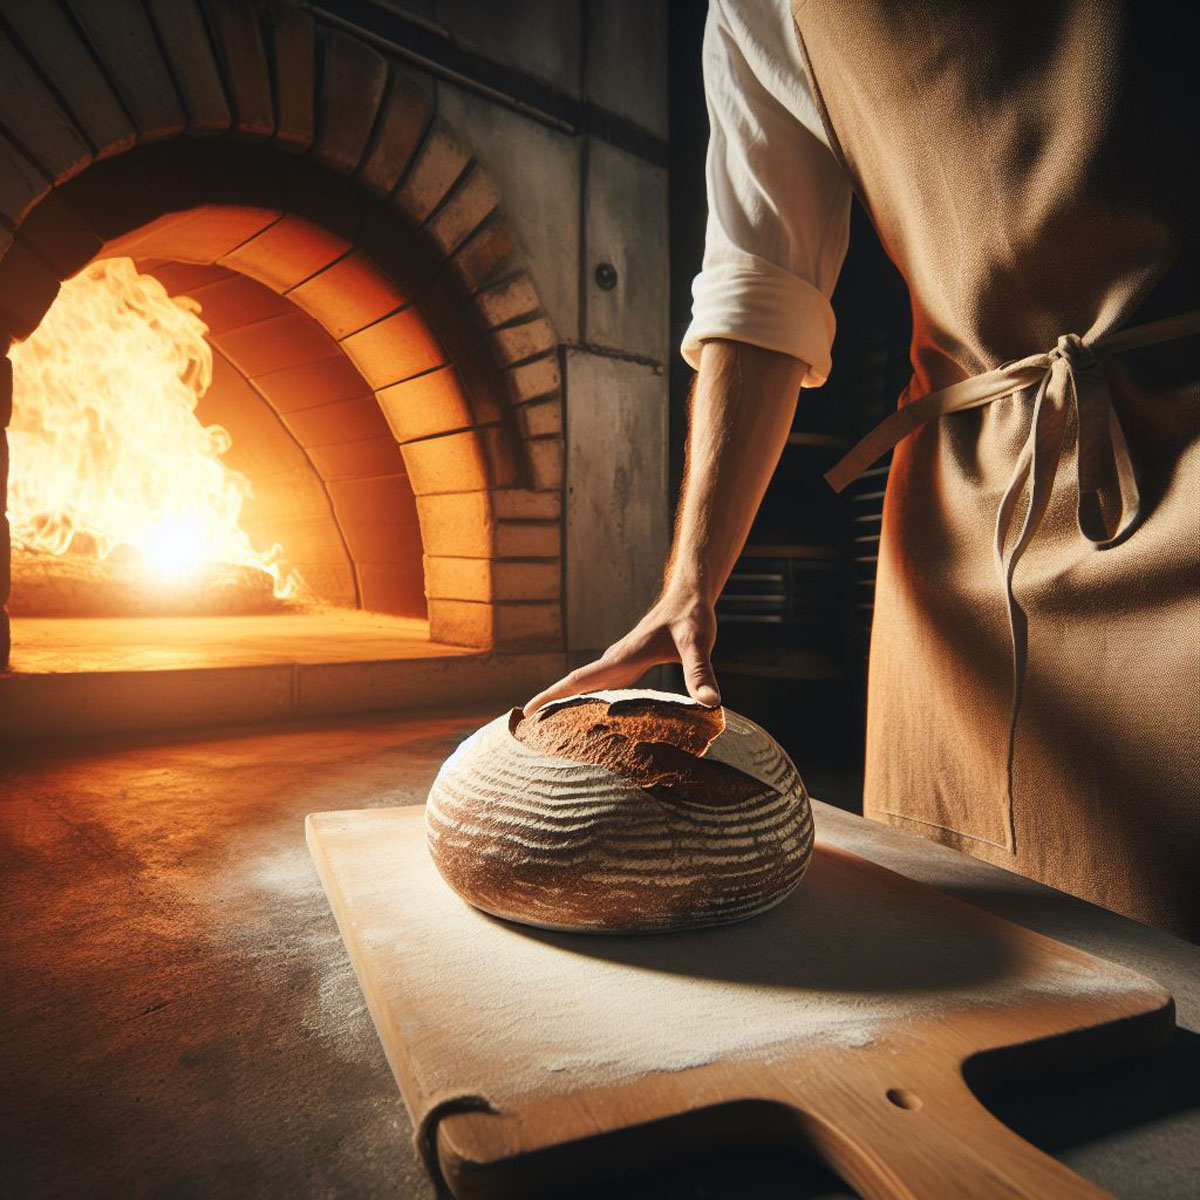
<point x="49" y="645"/>
<point x="75" y="677"/>
<point x="178" y="1016"/>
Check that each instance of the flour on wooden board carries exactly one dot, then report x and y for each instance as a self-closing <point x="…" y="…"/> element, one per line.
<point x="519" y="1009"/>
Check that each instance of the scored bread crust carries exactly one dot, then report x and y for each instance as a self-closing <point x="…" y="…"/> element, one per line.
<point x="619" y="812"/>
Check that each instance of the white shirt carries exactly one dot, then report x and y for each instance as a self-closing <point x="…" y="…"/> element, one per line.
<point x="778" y="200"/>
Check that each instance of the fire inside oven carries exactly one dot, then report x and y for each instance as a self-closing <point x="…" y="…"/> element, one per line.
<point x="155" y="472"/>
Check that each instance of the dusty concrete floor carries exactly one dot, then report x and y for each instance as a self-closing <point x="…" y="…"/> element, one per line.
<point x="177" y="1014"/>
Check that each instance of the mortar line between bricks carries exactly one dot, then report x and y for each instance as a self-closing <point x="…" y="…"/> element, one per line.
<point x="540" y="398"/>
<point x="460" y="181"/>
<point x="283" y="212"/>
<point x="383" y="387"/>
<point x="548" y="602"/>
<point x="345" y="254"/>
<point x="429" y="437"/>
<point x="408" y="304"/>
<point x="621" y="355"/>
<point x="540" y="559"/>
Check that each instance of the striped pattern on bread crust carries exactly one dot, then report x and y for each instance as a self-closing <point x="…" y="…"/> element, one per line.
<point x="646" y="837"/>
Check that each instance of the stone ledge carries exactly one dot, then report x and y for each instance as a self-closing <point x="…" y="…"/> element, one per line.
<point x="100" y="703"/>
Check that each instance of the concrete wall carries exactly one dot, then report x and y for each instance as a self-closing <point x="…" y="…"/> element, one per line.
<point x="578" y="198"/>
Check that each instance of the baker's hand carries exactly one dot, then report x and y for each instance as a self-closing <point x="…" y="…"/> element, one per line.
<point x="679" y="628"/>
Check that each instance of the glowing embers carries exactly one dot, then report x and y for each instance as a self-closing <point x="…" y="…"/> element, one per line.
<point x="118" y="496"/>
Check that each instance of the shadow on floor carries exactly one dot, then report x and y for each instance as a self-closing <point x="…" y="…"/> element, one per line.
<point x="766" y="1173"/>
<point x="1148" y="1089"/>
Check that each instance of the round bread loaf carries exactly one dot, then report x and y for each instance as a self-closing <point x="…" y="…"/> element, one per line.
<point x="620" y="812"/>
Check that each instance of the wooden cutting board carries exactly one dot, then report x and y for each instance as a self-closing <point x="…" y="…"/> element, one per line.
<point x="530" y="1060"/>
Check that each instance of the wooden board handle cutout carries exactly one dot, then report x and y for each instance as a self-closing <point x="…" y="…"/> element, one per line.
<point x="927" y="1138"/>
<point x="913" y="1143"/>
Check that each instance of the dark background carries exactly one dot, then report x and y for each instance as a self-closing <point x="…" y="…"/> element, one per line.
<point x="795" y="617"/>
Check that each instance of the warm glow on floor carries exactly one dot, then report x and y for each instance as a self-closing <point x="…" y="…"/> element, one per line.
<point x="107" y="452"/>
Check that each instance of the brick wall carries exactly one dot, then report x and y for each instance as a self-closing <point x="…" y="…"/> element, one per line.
<point x="259" y="142"/>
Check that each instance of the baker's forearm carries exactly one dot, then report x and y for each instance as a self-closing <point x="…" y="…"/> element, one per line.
<point x="742" y="406"/>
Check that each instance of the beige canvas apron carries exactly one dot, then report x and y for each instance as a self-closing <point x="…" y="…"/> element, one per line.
<point x="1033" y="174"/>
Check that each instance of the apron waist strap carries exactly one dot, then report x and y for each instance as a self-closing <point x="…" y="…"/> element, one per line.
<point x="1069" y="379"/>
<point x="996" y="384"/>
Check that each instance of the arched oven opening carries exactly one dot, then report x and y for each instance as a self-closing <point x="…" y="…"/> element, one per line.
<point x="279" y="397"/>
<point x="188" y="441"/>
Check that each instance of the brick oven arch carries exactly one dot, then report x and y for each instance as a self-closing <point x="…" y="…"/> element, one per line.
<point x="254" y="141"/>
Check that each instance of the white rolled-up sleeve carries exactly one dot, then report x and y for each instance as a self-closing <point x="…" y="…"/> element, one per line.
<point x="778" y="199"/>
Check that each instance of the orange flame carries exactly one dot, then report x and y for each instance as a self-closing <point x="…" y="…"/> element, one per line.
<point x="107" y="450"/>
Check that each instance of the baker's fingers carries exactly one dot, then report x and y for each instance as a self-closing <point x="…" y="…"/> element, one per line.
<point x="593" y="677"/>
<point x="622" y="664"/>
<point x="698" y="672"/>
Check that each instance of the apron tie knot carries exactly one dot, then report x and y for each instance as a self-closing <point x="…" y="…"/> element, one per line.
<point x="1070" y="383"/>
<point x="1075" y="352"/>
